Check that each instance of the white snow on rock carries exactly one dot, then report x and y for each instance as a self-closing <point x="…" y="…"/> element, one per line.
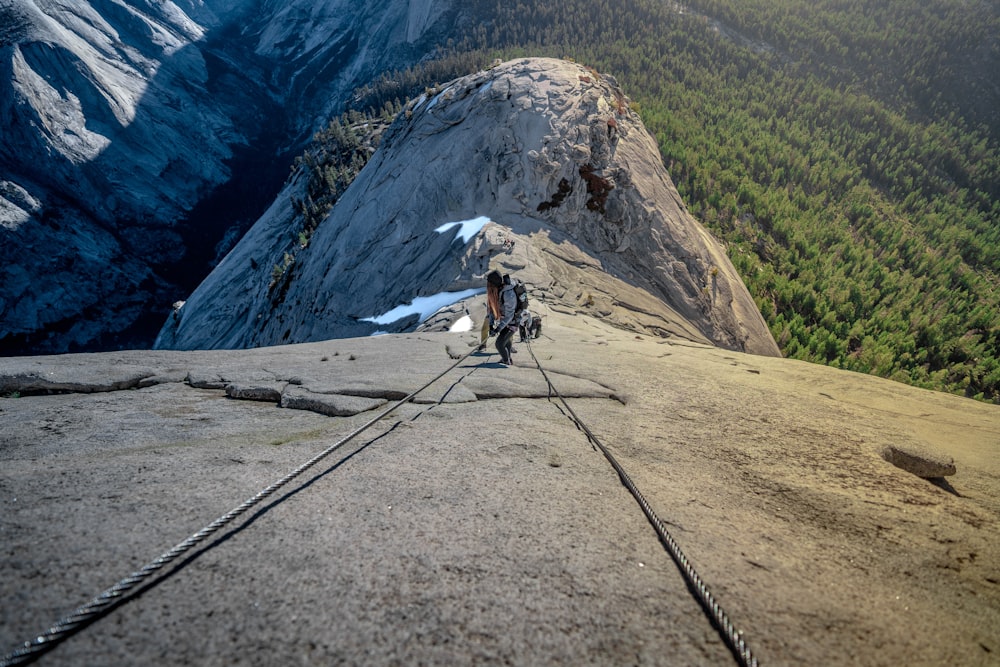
<point x="423" y="306"/>
<point x="461" y="325"/>
<point x="467" y="229"/>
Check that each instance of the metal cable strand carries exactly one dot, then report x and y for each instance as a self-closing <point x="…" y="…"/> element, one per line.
<point x="65" y="627"/>
<point x="729" y="633"/>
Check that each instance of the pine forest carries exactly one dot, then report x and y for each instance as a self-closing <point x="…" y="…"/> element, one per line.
<point x="846" y="152"/>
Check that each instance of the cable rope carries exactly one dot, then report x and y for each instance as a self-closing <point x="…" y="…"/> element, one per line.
<point x="119" y="593"/>
<point x="720" y="619"/>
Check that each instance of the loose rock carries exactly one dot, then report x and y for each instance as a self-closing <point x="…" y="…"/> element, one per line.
<point x="256" y="392"/>
<point x="331" y="405"/>
<point x="919" y="461"/>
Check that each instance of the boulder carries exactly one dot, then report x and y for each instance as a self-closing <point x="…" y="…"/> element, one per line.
<point x="919" y="460"/>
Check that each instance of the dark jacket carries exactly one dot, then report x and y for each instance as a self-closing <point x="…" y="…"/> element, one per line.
<point x="508" y="306"/>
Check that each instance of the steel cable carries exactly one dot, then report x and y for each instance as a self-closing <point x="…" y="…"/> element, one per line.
<point x="104" y="603"/>
<point x="732" y="637"/>
<point x="118" y="594"/>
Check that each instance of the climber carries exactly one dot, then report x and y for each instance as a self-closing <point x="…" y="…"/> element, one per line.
<point x="502" y="303"/>
<point x="529" y="325"/>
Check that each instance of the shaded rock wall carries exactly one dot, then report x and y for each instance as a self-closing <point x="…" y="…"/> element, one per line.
<point x="137" y="136"/>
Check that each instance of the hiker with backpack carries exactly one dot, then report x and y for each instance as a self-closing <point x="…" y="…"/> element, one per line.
<point x="529" y="324"/>
<point x="505" y="298"/>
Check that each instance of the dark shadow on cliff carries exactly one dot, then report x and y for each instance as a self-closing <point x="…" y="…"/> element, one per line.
<point x="120" y="228"/>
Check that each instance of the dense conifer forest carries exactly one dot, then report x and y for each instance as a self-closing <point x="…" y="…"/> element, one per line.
<point x="847" y="152"/>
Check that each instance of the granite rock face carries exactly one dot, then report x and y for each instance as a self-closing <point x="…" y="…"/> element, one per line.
<point x="537" y="167"/>
<point x="479" y="522"/>
<point x="140" y="139"/>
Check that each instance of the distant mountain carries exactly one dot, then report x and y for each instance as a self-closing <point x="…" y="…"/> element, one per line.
<point x="141" y="139"/>
<point x="536" y="166"/>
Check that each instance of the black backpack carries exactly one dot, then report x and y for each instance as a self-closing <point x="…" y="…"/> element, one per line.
<point x="520" y="291"/>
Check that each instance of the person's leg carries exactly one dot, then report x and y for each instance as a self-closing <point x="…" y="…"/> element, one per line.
<point x="504" y="344"/>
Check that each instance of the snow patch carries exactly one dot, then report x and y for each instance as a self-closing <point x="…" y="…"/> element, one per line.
<point x="438" y="97"/>
<point x="461" y="325"/>
<point x="467" y="228"/>
<point x="424" y="306"/>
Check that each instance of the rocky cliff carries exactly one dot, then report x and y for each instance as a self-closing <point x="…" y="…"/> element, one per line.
<point x="477" y="524"/>
<point x="139" y="138"/>
<point x="536" y="166"/>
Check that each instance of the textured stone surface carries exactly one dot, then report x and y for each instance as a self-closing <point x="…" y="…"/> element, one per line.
<point x="331" y="405"/>
<point x="919" y="460"/>
<point x="588" y="218"/>
<point x="256" y="392"/>
<point x="490" y="531"/>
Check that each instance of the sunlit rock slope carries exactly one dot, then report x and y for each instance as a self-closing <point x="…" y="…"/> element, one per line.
<point x="477" y="524"/>
<point x="552" y="177"/>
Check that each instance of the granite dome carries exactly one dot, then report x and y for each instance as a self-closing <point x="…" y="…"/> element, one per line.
<point x="573" y="196"/>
